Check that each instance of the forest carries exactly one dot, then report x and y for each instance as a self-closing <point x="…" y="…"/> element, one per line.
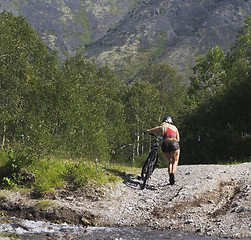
<point x="74" y="116"/>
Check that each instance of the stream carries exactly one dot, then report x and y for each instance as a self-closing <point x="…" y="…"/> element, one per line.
<point x="26" y="229"/>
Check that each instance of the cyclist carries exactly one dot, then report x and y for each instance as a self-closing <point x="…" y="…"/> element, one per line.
<point x="170" y="146"/>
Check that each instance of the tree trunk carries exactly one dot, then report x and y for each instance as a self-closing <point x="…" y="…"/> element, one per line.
<point x="137" y="149"/>
<point x="133" y="153"/>
<point x="4" y="131"/>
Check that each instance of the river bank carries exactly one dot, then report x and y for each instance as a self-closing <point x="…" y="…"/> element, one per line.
<point x="210" y="200"/>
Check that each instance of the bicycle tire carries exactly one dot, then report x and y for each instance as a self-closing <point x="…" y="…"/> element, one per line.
<point x="153" y="163"/>
<point x="144" y="168"/>
<point x="146" y="176"/>
<point x="148" y="168"/>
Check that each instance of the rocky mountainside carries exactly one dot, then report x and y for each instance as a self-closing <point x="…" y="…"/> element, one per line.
<point x="67" y="25"/>
<point x="127" y="35"/>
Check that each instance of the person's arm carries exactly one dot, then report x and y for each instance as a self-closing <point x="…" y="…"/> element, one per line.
<point x="155" y="129"/>
<point x="177" y="135"/>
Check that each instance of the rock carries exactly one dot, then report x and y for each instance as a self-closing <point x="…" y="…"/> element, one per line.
<point x="189" y="221"/>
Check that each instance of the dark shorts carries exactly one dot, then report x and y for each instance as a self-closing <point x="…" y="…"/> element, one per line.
<point x="170" y="146"/>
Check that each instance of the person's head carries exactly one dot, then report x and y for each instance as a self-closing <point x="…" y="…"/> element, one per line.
<point x="167" y="119"/>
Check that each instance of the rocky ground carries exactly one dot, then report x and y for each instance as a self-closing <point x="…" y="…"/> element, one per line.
<point x="209" y="200"/>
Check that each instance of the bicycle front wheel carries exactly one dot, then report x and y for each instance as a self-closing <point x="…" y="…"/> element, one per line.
<point x="154" y="160"/>
<point x="146" y="176"/>
<point x="148" y="168"/>
<point x="144" y="169"/>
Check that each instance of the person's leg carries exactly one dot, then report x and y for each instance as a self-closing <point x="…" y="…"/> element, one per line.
<point x="167" y="156"/>
<point x="175" y="160"/>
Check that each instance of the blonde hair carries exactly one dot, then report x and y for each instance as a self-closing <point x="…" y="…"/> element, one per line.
<point x="164" y="126"/>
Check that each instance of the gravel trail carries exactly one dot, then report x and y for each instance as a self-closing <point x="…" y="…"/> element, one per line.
<point x="210" y="200"/>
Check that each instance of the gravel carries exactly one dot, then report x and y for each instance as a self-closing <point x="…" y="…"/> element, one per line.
<point x="209" y="200"/>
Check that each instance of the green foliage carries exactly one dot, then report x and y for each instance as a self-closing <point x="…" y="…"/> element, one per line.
<point x="219" y="105"/>
<point x="3" y="158"/>
<point x="82" y="19"/>
<point x="78" y="109"/>
<point x="26" y="73"/>
<point x="161" y="45"/>
<point x="83" y="172"/>
<point x="8" y="182"/>
<point x="12" y="160"/>
<point x="159" y="92"/>
<point x="53" y="173"/>
<point x="141" y="109"/>
<point x="75" y="108"/>
<point x="209" y="75"/>
<point x="95" y="113"/>
<point x="49" y="175"/>
<point x="172" y="88"/>
<point x="21" y="156"/>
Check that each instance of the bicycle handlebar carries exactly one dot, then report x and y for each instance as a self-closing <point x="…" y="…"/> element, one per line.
<point x="157" y="137"/>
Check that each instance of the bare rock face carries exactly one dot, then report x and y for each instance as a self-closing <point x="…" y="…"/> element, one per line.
<point x="67" y="25"/>
<point x="209" y="200"/>
<point x="129" y="34"/>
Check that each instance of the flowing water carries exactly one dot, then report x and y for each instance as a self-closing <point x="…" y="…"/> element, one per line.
<point x="25" y="229"/>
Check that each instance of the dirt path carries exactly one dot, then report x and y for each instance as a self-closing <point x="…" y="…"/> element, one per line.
<point x="206" y="199"/>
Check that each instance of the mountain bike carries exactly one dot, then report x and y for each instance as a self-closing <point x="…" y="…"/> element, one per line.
<point x="151" y="161"/>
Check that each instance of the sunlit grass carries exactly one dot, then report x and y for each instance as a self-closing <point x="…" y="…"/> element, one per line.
<point x="48" y="174"/>
<point x="234" y="161"/>
<point x="52" y="174"/>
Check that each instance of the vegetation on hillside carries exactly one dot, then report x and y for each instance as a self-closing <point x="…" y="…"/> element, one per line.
<point x="53" y="112"/>
<point x="217" y="124"/>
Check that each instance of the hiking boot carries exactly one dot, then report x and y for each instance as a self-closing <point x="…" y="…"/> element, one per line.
<point x="172" y="178"/>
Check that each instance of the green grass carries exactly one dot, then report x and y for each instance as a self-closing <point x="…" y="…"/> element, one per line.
<point x="160" y="48"/>
<point x="82" y="19"/>
<point x="48" y="174"/>
<point x="234" y="161"/>
<point x="52" y="174"/>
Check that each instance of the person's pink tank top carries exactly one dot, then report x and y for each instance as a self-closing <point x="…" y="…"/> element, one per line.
<point x="170" y="133"/>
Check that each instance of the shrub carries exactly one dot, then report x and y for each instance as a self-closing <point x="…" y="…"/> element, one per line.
<point x="3" y="162"/>
<point x="81" y="173"/>
<point x="49" y="175"/>
<point x="12" y="160"/>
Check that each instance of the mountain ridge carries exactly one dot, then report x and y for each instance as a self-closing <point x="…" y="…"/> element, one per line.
<point x="176" y="42"/>
<point x="129" y="35"/>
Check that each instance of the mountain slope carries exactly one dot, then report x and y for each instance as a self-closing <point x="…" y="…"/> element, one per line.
<point x="128" y="35"/>
<point x="174" y="31"/>
<point x="67" y="25"/>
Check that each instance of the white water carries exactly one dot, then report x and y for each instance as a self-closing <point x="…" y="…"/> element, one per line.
<point x="26" y="229"/>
